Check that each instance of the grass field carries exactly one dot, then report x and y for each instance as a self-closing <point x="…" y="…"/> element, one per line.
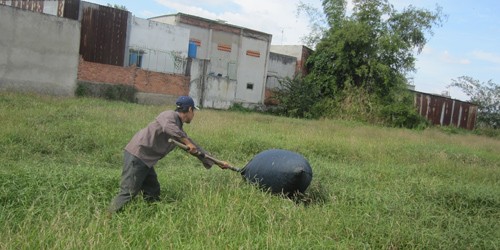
<point x="373" y="187"/>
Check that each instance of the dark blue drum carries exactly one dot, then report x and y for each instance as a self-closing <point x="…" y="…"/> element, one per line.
<point x="280" y="171"/>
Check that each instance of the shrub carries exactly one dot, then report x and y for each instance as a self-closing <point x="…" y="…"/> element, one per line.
<point x="401" y="115"/>
<point x="353" y="104"/>
<point x="238" y="107"/>
<point x="397" y="110"/>
<point x="488" y="131"/>
<point x="83" y="89"/>
<point x="296" y="97"/>
<point x="120" y="92"/>
<point x="116" y="92"/>
<point x="299" y="97"/>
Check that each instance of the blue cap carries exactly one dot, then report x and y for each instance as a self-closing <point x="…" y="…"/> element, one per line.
<point x="185" y="102"/>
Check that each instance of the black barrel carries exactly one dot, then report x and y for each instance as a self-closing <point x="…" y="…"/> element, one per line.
<point x="280" y="171"/>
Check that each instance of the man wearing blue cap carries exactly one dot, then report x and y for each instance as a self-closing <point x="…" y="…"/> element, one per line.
<point x="151" y="144"/>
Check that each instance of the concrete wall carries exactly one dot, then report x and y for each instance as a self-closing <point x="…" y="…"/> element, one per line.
<point x="280" y="66"/>
<point x="301" y="52"/>
<point x="290" y="50"/>
<point x="165" y="46"/>
<point x="209" y="90"/>
<point x="223" y="51"/>
<point x="201" y="34"/>
<point x="38" y="52"/>
<point x="202" y="37"/>
<point x="252" y="70"/>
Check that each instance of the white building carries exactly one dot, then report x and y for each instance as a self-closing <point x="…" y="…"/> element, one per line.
<point x="300" y="52"/>
<point x="156" y="46"/>
<point x="229" y="63"/>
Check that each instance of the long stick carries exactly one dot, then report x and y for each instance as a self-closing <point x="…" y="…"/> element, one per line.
<point x="218" y="162"/>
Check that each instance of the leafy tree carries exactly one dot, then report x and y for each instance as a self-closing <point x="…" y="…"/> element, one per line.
<point x="371" y="49"/>
<point x="485" y="95"/>
<point x="317" y="24"/>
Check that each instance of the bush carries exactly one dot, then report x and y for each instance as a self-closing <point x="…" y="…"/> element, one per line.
<point x="83" y="89"/>
<point x="490" y="132"/>
<point x="120" y="93"/>
<point x="238" y="107"/>
<point x="404" y="116"/>
<point x="296" y="97"/>
<point x="398" y="110"/>
<point x="353" y="104"/>
<point x="116" y="92"/>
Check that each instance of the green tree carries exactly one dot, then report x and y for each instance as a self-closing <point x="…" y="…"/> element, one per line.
<point x="371" y="49"/>
<point x="317" y="24"/>
<point x="485" y="95"/>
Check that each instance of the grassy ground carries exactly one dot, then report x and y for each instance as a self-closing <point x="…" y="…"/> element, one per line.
<point x="372" y="187"/>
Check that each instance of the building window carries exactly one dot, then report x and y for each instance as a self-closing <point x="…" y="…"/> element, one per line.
<point x="135" y="57"/>
<point x="250" y="86"/>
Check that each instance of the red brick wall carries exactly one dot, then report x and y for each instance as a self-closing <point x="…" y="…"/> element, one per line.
<point x="144" y="81"/>
<point x="268" y="98"/>
<point x="161" y="83"/>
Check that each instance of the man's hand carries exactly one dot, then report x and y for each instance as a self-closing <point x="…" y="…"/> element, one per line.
<point x="192" y="149"/>
<point x="224" y="165"/>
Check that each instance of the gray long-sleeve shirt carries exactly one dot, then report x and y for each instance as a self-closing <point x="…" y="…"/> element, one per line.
<point x="151" y="144"/>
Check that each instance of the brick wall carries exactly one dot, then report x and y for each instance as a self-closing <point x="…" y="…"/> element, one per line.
<point x="144" y="81"/>
<point x="268" y="97"/>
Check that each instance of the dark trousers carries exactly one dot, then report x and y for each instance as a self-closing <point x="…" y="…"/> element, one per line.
<point x="136" y="177"/>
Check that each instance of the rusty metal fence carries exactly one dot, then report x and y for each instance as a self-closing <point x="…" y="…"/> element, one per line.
<point x="61" y="8"/>
<point x="103" y="35"/>
<point x="443" y="111"/>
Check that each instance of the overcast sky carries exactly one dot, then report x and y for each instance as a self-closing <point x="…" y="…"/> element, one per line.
<point x="468" y="43"/>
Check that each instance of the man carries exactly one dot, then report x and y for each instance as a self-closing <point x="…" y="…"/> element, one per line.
<point x="151" y="144"/>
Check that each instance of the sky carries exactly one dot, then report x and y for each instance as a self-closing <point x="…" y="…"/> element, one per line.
<point x="467" y="43"/>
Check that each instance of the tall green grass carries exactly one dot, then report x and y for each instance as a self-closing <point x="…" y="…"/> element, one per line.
<point x="373" y="187"/>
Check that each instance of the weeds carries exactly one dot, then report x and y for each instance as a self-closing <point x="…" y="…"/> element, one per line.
<point x="372" y="187"/>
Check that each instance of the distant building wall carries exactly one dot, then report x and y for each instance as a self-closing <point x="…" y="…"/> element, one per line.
<point x="161" y="47"/>
<point x="280" y="67"/>
<point x="38" y="52"/>
<point x="444" y="111"/>
<point x="230" y="55"/>
<point x="301" y="52"/>
<point x="252" y="70"/>
<point x="210" y="90"/>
